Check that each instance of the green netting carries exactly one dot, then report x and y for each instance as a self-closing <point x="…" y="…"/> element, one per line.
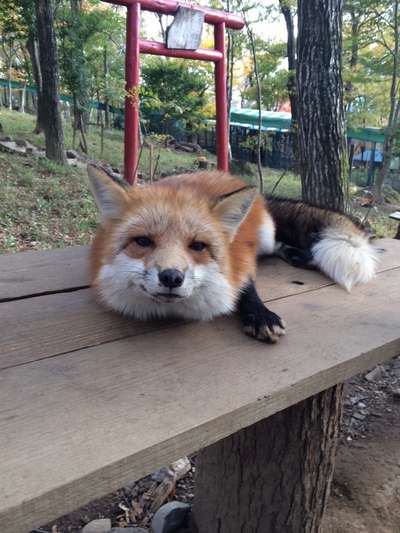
<point x="274" y="120"/>
<point x="16" y="85"/>
<point x="248" y="118"/>
<point x="270" y="119"/>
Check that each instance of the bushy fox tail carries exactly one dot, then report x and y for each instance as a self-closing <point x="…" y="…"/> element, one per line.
<point x="312" y="237"/>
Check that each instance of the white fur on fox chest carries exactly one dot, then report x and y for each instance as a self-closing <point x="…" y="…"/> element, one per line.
<point x="119" y="287"/>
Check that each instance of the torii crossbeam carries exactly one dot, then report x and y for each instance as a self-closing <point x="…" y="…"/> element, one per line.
<point x="135" y="45"/>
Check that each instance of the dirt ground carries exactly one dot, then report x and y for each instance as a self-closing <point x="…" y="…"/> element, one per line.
<point x="365" y="495"/>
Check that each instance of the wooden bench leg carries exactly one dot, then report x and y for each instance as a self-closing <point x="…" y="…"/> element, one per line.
<point x="274" y="476"/>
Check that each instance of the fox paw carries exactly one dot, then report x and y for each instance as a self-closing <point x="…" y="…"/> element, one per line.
<point x="263" y="325"/>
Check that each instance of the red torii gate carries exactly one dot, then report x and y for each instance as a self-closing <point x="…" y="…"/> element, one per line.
<point x="135" y="46"/>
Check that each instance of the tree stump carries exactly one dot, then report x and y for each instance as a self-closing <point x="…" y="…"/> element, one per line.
<point x="274" y="476"/>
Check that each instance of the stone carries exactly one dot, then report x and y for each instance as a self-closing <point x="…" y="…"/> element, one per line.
<point x="20" y="142"/>
<point x="72" y="154"/>
<point x="396" y="394"/>
<point x="171" y="517"/>
<point x="162" y="473"/>
<point x="377" y="373"/>
<point x="102" y="525"/>
<point x="359" y="416"/>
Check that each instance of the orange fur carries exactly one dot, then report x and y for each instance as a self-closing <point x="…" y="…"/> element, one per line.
<point x="188" y="200"/>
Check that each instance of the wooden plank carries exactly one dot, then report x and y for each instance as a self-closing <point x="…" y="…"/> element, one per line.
<point x="79" y="425"/>
<point x="35" y="328"/>
<point x="184" y="33"/>
<point x="32" y="329"/>
<point x="28" y="273"/>
<point x="45" y="326"/>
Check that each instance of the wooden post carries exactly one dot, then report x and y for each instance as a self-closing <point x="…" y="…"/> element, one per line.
<point x="273" y="477"/>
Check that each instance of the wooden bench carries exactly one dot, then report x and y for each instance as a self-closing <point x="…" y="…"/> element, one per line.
<point x="90" y="401"/>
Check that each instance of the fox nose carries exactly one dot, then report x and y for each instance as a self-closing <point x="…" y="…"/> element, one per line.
<point x="171" y="278"/>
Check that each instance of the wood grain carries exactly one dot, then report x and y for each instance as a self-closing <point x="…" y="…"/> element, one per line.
<point x="45" y="326"/>
<point x="76" y="426"/>
<point x="28" y="273"/>
<point x="184" y="33"/>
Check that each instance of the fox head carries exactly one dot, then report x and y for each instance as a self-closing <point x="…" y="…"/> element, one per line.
<point x="163" y="249"/>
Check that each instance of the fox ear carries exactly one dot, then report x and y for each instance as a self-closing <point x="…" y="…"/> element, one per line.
<point x="233" y="207"/>
<point x="110" y="197"/>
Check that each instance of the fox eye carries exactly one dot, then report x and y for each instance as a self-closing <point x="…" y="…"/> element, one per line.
<point x="198" y="246"/>
<point x="145" y="242"/>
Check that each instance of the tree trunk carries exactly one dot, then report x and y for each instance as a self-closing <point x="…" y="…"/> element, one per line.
<point x="259" y="101"/>
<point x="23" y="99"/>
<point x="33" y="51"/>
<point x="106" y="98"/>
<point x="355" y="39"/>
<point x="273" y="477"/>
<point x="79" y="90"/>
<point x="9" y="74"/>
<point x="230" y="55"/>
<point x="291" y="83"/>
<point x="49" y="99"/>
<point x="387" y="154"/>
<point x="320" y="103"/>
<point x="393" y="122"/>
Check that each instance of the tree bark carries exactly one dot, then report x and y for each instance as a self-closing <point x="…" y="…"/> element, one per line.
<point x="49" y="99"/>
<point x="355" y="39"/>
<point x="79" y="89"/>
<point x="9" y="76"/>
<point x="106" y="90"/>
<point x="273" y="477"/>
<point x="394" y="114"/>
<point x="320" y="103"/>
<point x="23" y="99"/>
<point x="259" y="103"/>
<point x="291" y="83"/>
<point x="32" y="47"/>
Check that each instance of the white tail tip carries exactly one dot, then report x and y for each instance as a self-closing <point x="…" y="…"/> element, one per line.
<point x="348" y="259"/>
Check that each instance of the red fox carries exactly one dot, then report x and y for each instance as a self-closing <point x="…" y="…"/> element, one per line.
<point x="187" y="246"/>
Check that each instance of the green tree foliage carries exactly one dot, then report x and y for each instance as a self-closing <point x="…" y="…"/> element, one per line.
<point x="172" y="93"/>
<point x="92" y="49"/>
<point x="372" y="71"/>
<point x="13" y="31"/>
<point x="105" y="59"/>
<point x="367" y="61"/>
<point x="273" y="75"/>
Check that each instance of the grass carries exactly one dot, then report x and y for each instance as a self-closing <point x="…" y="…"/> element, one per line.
<point x="45" y="205"/>
<point x="21" y="125"/>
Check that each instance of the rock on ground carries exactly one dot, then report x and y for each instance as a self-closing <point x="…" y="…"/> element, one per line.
<point x="171" y="517"/>
<point x="102" y="525"/>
